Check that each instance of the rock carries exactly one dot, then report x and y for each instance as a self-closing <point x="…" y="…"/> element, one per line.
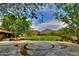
<point x="9" y="50"/>
<point x="41" y="49"/>
<point x="38" y="49"/>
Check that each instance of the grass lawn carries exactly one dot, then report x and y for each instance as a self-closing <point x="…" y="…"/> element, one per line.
<point x="44" y="38"/>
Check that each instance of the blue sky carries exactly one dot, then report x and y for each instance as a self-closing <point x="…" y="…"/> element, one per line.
<point x="44" y="15"/>
<point x="47" y="14"/>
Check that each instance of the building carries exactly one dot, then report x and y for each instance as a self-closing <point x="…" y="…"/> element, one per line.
<point x="5" y="34"/>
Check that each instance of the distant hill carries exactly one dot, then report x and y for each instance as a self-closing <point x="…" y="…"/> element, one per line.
<point x="50" y="26"/>
<point x="46" y="30"/>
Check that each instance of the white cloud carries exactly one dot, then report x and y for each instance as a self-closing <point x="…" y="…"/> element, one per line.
<point x="53" y="25"/>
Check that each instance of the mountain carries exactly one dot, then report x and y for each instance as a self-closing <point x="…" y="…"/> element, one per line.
<point x="46" y="30"/>
<point x="51" y="25"/>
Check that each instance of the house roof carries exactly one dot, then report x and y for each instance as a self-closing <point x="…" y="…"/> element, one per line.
<point x="2" y="30"/>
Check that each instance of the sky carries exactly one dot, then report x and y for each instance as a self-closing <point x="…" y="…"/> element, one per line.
<point x="45" y="15"/>
<point x="48" y="16"/>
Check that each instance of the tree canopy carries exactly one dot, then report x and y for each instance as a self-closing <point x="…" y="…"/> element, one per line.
<point x="15" y="24"/>
<point x="72" y="17"/>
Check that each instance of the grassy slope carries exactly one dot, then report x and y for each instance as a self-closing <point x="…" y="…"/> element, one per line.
<point x="43" y="38"/>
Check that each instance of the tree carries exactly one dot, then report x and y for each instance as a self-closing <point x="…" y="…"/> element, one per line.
<point x="22" y="9"/>
<point x="30" y="10"/>
<point x="15" y="24"/>
<point x="65" y="33"/>
<point x="72" y="17"/>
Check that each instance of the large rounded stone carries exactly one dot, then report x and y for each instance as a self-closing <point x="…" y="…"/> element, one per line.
<point x="37" y="49"/>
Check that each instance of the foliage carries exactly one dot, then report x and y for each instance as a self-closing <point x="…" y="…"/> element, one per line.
<point x="30" y="10"/>
<point x="65" y="33"/>
<point x="72" y="17"/>
<point x="22" y="9"/>
<point x="15" y="24"/>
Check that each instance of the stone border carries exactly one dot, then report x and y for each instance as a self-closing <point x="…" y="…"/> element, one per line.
<point x="52" y="46"/>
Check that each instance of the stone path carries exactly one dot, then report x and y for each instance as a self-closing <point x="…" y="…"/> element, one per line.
<point x="64" y="49"/>
<point x="43" y="49"/>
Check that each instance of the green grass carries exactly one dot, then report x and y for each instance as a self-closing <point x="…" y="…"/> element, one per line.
<point x="44" y="38"/>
